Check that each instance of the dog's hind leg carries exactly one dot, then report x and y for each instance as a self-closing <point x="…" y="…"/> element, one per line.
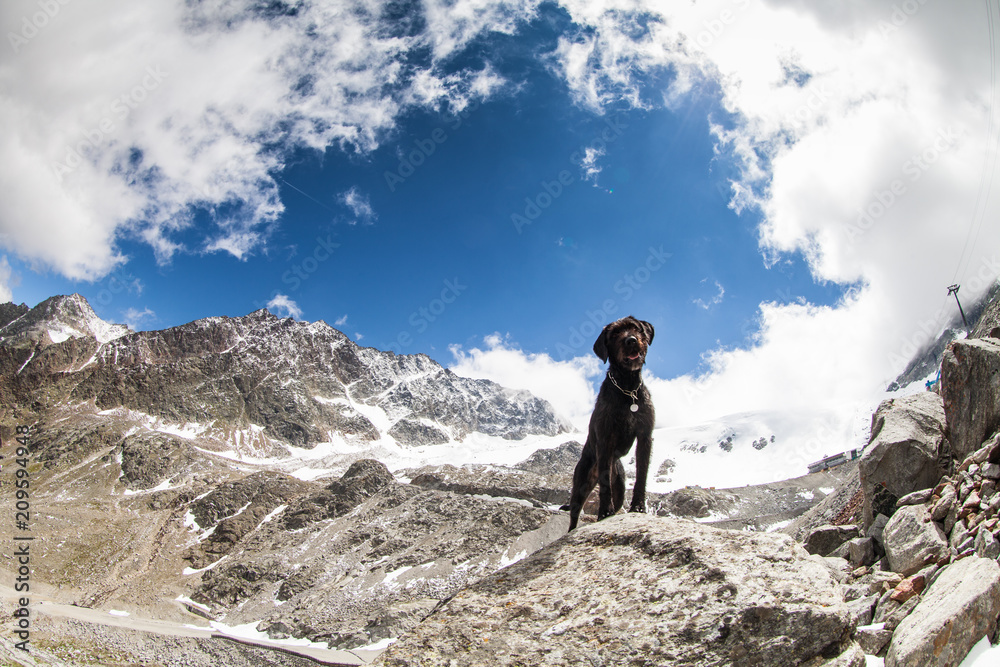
<point x="617" y="486"/>
<point x="584" y="481"/>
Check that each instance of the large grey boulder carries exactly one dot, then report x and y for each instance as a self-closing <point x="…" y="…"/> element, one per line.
<point x="640" y="590"/>
<point x="970" y="386"/>
<point x="824" y="540"/>
<point x="911" y="543"/>
<point x="904" y="452"/>
<point x="959" y="609"/>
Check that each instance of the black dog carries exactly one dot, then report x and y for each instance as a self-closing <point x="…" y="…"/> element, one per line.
<point x="622" y="415"/>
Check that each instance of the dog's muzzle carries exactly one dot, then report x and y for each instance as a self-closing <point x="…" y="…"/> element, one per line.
<point x="632" y="348"/>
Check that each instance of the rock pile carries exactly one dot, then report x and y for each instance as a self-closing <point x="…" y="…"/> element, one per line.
<point x="924" y="579"/>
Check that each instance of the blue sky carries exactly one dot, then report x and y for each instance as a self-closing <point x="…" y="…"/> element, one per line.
<point x="473" y="178"/>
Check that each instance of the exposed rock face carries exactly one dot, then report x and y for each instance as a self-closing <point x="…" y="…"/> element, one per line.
<point x="496" y="481"/>
<point x="905" y="453"/>
<point x="300" y="382"/>
<point x="366" y="558"/>
<point x="639" y="590"/>
<point x="559" y="460"/>
<point x="960" y="609"/>
<point x="55" y="320"/>
<point x="970" y="376"/>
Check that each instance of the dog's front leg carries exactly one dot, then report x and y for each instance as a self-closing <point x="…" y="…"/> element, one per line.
<point x="643" y="450"/>
<point x="605" y="480"/>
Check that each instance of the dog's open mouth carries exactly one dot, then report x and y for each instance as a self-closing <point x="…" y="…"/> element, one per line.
<point x="633" y="357"/>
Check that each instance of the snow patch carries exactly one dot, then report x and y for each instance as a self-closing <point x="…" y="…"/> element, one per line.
<point x="390" y="579"/>
<point x="249" y="631"/>
<point x="188" y="601"/>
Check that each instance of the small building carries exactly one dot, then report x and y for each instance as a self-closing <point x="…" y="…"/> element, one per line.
<point x="836" y="460"/>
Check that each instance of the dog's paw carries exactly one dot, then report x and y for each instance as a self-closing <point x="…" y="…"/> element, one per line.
<point x="638" y="509"/>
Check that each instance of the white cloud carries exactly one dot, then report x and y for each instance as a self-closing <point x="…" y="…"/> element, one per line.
<point x="567" y="385"/>
<point x="282" y="304"/>
<point x="6" y="280"/>
<point x="124" y="121"/>
<point x="135" y="318"/>
<point x="862" y="135"/>
<point x="715" y="300"/>
<point x="588" y="163"/>
<point x="340" y="321"/>
<point x="359" y="204"/>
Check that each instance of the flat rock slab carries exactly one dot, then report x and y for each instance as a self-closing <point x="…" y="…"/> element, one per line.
<point x="958" y="610"/>
<point x="641" y="590"/>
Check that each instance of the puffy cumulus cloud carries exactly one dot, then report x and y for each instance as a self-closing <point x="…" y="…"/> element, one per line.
<point x="281" y="303"/>
<point x="864" y="135"/>
<point x="567" y="385"/>
<point x="140" y="121"/>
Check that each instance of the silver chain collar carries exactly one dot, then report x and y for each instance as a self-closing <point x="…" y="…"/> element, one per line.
<point x="634" y="394"/>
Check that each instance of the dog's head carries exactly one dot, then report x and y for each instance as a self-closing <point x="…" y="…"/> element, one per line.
<point x="625" y="342"/>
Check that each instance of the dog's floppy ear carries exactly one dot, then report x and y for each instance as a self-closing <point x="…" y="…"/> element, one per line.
<point x="601" y="344"/>
<point x="647" y="329"/>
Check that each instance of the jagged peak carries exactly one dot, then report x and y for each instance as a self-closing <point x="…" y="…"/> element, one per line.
<point x="59" y="318"/>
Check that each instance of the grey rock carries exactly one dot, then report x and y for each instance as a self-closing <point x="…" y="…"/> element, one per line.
<point x="892" y="613"/>
<point x="667" y="591"/>
<point x="903" y="453"/>
<point x="861" y="551"/>
<point x="987" y="545"/>
<point x="971" y="395"/>
<point x="839" y="568"/>
<point x="915" y="498"/>
<point x="956" y="612"/>
<point x="911" y="543"/>
<point x="877" y="529"/>
<point x="991" y="471"/>
<point x="959" y="535"/>
<point x="862" y="610"/>
<point x="824" y="540"/>
<point x="872" y="640"/>
<point x="415" y="434"/>
<point x="556" y="461"/>
<point x="945" y="504"/>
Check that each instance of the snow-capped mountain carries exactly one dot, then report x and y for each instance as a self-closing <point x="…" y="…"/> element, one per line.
<point x="55" y="320"/>
<point x="258" y="385"/>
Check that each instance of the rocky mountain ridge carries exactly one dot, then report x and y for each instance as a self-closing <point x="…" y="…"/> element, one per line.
<point x="146" y="506"/>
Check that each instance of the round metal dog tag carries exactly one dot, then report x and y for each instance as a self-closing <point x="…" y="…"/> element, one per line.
<point x="634" y="408"/>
